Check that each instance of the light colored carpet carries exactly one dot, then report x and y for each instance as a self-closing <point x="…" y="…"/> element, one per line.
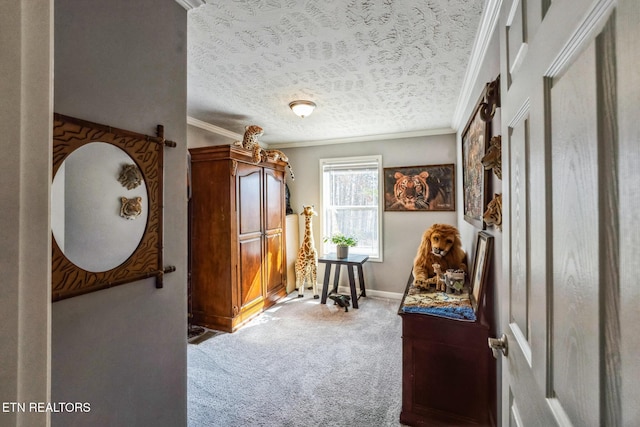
<point x="301" y="363"/>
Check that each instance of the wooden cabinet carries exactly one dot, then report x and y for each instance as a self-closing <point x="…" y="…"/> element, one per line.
<point x="448" y="372"/>
<point x="237" y="242"/>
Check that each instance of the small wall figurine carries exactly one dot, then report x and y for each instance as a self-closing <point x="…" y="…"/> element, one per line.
<point x="131" y="208"/>
<point x="493" y="158"/>
<point x="440" y="245"/>
<point x="130" y="176"/>
<point x="493" y="214"/>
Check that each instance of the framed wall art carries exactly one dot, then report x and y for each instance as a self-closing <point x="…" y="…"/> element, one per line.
<point x="481" y="262"/>
<point x="474" y="176"/>
<point x="420" y="188"/>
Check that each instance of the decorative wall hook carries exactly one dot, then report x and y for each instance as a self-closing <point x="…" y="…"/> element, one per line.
<point x="491" y="100"/>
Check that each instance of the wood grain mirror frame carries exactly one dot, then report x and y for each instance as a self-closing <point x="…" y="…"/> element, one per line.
<point x="67" y="279"/>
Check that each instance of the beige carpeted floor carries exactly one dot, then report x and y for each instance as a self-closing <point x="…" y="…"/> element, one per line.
<point x="301" y="363"/>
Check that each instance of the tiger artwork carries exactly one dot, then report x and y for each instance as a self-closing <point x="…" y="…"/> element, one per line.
<point x="411" y="191"/>
<point x="493" y="214"/>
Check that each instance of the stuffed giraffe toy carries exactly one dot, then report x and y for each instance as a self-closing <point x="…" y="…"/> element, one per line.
<point x="307" y="261"/>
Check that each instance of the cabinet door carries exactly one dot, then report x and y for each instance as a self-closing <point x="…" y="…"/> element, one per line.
<point x="274" y="231"/>
<point x="249" y="219"/>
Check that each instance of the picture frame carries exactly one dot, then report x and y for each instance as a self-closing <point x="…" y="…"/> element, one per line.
<point x="481" y="264"/>
<point x="475" y="178"/>
<point x="420" y="188"/>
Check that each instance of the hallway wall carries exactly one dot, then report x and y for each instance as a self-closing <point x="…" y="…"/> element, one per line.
<point x="488" y="71"/>
<point x="123" y="350"/>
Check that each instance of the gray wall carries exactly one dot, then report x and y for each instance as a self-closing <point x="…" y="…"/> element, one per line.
<point x="489" y="71"/>
<point x="123" y="350"/>
<point x="401" y="230"/>
<point x="198" y="137"/>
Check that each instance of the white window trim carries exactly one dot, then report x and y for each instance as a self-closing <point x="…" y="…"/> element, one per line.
<point x="334" y="160"/>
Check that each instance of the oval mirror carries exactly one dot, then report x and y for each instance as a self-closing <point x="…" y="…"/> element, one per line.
<point x="86" y="208"/>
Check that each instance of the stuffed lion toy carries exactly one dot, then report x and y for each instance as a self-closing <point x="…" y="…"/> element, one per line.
<point x="440" y="246"/>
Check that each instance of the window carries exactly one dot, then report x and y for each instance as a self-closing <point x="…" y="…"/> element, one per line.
<point x="351" y="189"/>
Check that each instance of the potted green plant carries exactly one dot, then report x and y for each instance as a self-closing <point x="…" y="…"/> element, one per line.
<point x="342" y="243"/>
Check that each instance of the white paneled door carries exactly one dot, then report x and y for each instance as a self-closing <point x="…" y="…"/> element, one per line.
<point x="570" y="126"/>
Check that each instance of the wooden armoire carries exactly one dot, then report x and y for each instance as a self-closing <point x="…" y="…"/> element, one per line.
<point x="237" y="242"/>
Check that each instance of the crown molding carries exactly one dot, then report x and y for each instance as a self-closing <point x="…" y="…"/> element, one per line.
<point x="488" y="23"/>
<point x="399" y="135"/>
<point x="213" y="128"/>
<point x="190" y="4"/>
<point x="387" y="136"/>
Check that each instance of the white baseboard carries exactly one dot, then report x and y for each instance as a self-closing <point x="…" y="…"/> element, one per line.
<point x="371" y="293"/>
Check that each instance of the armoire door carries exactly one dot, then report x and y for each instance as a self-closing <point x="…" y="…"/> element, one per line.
<point x="249" y="224"/>
<point x="570" y="90"/>
<point x="274" y="233"/>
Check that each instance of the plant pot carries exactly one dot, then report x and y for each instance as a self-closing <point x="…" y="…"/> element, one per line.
<point x="342" y="251"/>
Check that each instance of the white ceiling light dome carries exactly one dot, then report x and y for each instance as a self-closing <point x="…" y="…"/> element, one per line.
<point x="302" y="108"/>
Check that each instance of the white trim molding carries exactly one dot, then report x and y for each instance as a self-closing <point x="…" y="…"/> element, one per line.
<point x="386" y="136"/>
<point x="213" y="128"/>
<point x="371" y="293"/>
<point x="591" y="25"/>
<point x="478" y="52"/>
<point x="389" y="136"/>
<point x="190" y="4"/>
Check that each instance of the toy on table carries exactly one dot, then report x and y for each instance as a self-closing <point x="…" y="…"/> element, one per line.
<point x="454" y="281"/>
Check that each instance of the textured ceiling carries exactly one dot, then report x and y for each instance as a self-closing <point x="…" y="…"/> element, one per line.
<point x="372" y="66"/>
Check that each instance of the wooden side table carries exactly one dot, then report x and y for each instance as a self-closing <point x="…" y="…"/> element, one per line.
<point x="351" y="261"/>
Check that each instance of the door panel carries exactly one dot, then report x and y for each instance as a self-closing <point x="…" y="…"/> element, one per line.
<point x="516" y="36"/>
<point x="274" y="263"/>
<point x="249" y="198"/>
<point x="575" y="241"/>
<point x="250" y="271"/>
<point x="273" y="199"/>
<point x="249" y="211"/>
<point x="519" y="227"/>
<point x="274" y="231"/>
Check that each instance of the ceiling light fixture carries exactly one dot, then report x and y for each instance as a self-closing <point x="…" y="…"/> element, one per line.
<point x="302" y="108"/>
